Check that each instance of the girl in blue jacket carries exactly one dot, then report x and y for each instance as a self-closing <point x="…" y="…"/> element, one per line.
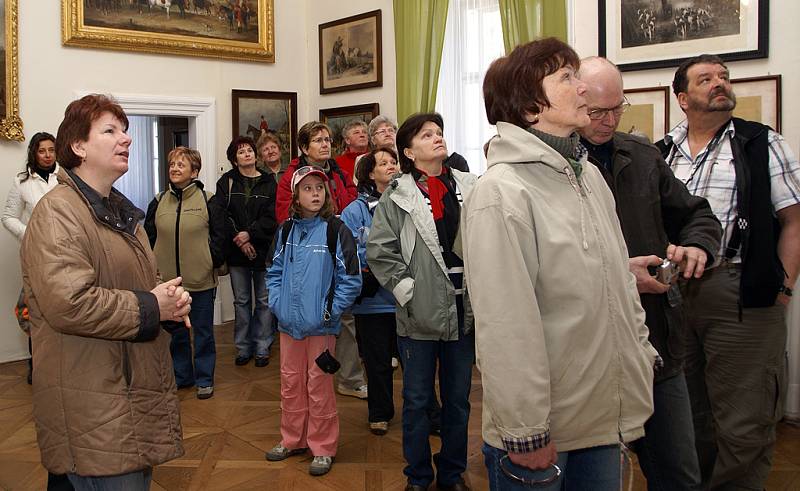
<point x="374" y="309"/>
<point x="311" y="282"/>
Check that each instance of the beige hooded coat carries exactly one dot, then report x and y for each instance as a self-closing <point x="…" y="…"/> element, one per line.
<point x="560" y="336"/>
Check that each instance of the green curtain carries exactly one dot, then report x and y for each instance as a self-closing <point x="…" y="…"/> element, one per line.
<point x="526" y="20"/>
<point x="419" y="36"/>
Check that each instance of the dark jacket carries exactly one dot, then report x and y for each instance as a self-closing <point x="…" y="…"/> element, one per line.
<point x="257" y="216"/>
<point x="187" y="219"/>
<point x="104" y="396"/>
<point x="341" y="185"/>
<point x="756" y="236"/>
<point x="655" y="209"/>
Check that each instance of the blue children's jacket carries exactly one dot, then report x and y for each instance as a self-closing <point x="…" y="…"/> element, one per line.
<point x="358" y="217"/>
<point x="300" y="277"/>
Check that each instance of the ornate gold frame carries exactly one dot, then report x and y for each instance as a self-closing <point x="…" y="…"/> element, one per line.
<point x="75" y="33"/>
<point x="11" y="125"/>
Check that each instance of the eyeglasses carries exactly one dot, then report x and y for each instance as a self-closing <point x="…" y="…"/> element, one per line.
<point x="597" y="114"/>
<point x="319" y="141"/>
<point x="385" y="131"/>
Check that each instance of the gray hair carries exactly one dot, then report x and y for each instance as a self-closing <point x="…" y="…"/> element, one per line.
<point x="353" y="124"/>
<point x="377" y="122"/>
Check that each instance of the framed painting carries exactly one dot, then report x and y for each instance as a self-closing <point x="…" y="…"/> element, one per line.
<point x="10" y="122"/>
<point x="235" y="29"/>
<point x="337" y="117"/>
<point x="350" y="53"/>
<point x="759" y="99"/>
<point x="256" y="111"/>
<point x="644" y="34"/>
<point x="648" y="114"/>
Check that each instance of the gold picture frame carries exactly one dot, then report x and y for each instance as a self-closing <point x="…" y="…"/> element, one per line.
<point x="204" y="28"/>
<point x="10" y="122"/>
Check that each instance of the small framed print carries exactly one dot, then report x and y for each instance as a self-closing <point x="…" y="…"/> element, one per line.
<point x="350" y="53"/>
<point x="649" y="112"/>
<point x="759" y="99"/>
<point x="257" y="111"/>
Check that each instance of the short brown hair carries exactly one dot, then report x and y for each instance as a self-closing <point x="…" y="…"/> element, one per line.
<point x="234" y="147"/>
<point x="78" y="119"/>
<point x="328" y="208"/>
<point x="191" y="155"/>
<point x="513" y="86"/>
<point x="266" y="137"/>
<point x="307" y="132"/>
<point x="367" y="163"/>
<point x="681" y="82"/>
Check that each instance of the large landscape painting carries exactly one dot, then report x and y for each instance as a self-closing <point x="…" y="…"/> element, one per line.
<point x="241" y="29"/>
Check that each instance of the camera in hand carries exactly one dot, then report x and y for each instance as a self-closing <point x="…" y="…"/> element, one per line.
<point x="667" y="272"/>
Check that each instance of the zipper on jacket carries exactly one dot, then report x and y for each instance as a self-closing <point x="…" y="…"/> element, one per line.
<point x="581" y="198"/>
<point x="126" y="364"/>
<point x="178" y="236"/>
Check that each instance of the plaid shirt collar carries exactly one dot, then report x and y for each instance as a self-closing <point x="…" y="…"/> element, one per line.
<point x="677" y="136"/>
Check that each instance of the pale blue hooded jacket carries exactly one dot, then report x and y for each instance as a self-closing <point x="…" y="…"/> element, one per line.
<point x="300" y="276"/>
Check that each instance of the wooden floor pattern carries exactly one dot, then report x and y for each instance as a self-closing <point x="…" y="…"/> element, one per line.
<point x="226" y="436"/>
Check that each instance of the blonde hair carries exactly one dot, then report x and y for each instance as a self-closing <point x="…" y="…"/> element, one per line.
<point x="191" y="155"/>
<point x="328" y="207"/>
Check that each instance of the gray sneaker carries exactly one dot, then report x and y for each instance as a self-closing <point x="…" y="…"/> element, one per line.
<point x="320" y="465"/>
<point x="279" y="452"/>
<point x="205" y="392"/>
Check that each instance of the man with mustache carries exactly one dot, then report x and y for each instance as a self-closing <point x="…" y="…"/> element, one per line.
<point x="736" y="322"/>
<point x="659" y="219"/>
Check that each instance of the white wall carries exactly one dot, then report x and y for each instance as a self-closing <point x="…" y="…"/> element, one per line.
<point x="320" y="12"/>
<point x="784" y="59"/>
<point x="51" y="75"/>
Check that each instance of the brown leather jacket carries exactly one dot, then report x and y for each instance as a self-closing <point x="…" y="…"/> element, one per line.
<point x="104" y="396"/>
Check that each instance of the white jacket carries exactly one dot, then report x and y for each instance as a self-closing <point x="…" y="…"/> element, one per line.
<point x="22" y="197"/>
<point x="560" y="336"/>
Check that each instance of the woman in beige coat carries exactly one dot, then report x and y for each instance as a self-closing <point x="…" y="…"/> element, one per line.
<point x="104" y="397"/>
<point x="560" y="336"/>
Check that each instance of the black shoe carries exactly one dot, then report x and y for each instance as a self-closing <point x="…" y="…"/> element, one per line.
<point x="30" y="378"/>
<point x="184" y="386"/>
<point x="243" y="360"/>
<point x="459" y="486"/>
<point x="416" y="487"/>
<point x="435" y="430"/>
<point x="262" y="361"/>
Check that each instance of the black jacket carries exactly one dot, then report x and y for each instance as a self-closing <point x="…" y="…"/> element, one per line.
<point x="257" y="216"/>
<point x="655" y="209"/>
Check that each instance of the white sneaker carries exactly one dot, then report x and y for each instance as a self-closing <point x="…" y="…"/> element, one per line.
<point x="320" y="465"/>
<point x="395" y="362"/>
<point x="360" y="392"/>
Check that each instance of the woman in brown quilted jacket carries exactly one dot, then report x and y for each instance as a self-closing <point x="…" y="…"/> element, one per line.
<point x="104" y="397"/>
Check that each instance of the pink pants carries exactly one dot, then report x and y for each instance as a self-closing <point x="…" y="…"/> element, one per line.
<point x="308" y="402"/>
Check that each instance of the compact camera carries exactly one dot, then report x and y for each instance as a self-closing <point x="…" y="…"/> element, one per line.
<point x="667" y="272"/>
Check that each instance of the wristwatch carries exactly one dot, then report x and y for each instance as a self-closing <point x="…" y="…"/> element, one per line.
<point x="785" y="290"/>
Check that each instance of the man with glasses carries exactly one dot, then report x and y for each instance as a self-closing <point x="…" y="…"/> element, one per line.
<point x="736" y="325"/>
<point x="659" y="219"/>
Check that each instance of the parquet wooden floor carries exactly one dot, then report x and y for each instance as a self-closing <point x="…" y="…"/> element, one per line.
<point x="226" y="436"/>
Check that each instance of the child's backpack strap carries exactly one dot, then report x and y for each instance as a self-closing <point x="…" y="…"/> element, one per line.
<point x="332" y="236"/>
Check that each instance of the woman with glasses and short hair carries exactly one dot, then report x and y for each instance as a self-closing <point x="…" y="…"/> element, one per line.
<point x="315" y="142"/>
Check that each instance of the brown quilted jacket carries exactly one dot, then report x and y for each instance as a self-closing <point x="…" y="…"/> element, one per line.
<point x="104" y="396"/>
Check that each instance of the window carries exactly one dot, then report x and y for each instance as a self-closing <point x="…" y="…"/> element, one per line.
<point x="473" y="39"/>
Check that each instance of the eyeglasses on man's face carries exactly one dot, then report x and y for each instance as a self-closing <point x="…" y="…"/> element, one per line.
<point x="600" y="113"/>
<point x="385" y="131"/>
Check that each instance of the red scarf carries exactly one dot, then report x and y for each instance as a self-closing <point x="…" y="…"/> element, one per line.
<point x="436" y="192"/>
